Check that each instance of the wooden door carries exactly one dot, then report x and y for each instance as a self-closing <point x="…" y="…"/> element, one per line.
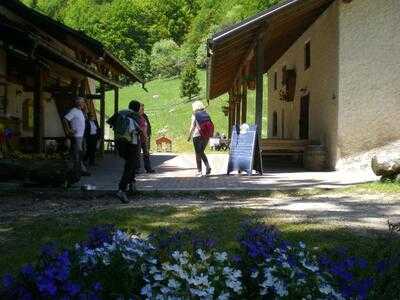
<point x="304" y="117"/>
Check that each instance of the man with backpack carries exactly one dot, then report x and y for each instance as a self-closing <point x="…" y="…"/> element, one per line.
<point x="201" y="129"/>
<point x="126" y="128"/>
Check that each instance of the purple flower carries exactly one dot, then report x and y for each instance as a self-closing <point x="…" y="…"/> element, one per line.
<point x="8" y="281"/>
<point x="97" y="287"/>
<point x="236" y="258"/>
<point x="46" y="286"/>
<point x="72" y="288"/>
<point x="28" y="271"/>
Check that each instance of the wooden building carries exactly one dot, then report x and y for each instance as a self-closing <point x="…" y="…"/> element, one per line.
<point x="333" y="76"/>
<point x="43" y="65"/>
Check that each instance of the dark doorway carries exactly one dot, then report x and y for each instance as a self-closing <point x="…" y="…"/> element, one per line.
<point x="304" y="117"/>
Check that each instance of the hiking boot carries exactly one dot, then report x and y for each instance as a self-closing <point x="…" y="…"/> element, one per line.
<point x="85" y="173"/>
<point x="208" y="171"/>
<point x="199" y="174"/>
<point x="123" y="197"/>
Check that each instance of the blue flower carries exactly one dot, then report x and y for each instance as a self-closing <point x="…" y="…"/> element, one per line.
<point x="97" y="287"/>
<point x="72" y="288"/>
<point x="46" y="286"/>
<point x="8" y="281"/>
<point x="28" y="271"/>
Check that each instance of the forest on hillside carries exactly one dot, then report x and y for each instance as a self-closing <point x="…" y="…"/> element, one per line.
<point x="156" y="38"/>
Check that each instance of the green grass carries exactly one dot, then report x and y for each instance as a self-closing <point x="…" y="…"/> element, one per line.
<point x="171" y="114"/>
<point x="379" y="187"/>
<point x="21" y="240"/>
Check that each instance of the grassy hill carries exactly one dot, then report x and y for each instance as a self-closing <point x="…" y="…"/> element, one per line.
<point x="169" y="113"/>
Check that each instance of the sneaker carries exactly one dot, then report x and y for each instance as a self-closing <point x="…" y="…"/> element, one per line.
<point x="208" y="171"/>
<point x="199" y="174"/>
<point x="122" y="196"/>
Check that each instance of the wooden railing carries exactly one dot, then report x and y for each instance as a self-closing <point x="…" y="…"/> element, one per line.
<point x="283" y="146"/>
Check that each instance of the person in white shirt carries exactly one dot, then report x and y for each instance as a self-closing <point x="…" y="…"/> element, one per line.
<point x="75" y="123"/>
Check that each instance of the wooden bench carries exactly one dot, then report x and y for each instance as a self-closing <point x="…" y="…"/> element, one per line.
<point x="283" y="146"/>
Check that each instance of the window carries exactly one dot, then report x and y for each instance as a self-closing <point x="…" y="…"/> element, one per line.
<point x="283" y="124"/>
<point x="3" y="99"/>
<point x="275" y="81"/>
<point x="275" y="124"/>
<point x="307" y="55"/>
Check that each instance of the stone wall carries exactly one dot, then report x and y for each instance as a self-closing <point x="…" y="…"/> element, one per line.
<point x="369" y="78"/>
<point x="319" y="81"/>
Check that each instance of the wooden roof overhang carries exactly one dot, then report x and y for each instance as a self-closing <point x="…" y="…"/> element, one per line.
<point x="92" y="50"/>
<point x="33" y="48"/>
<point x="278" y="28"/>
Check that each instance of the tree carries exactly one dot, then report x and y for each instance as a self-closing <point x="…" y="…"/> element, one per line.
<point x="166" y="60"/>
<point x="190" y="84"/>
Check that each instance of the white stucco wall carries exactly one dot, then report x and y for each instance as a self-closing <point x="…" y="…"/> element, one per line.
<point x="52" y="122"/>
<point x="320" y="81"/>
<point x="369" y="78"/>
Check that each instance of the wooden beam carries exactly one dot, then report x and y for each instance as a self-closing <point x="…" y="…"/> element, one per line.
<point x="244" y="102"/>
<point x="102" y="116"/>
<point x="230" y="115"/>
<point x="116" y="100"/>
<point x="238" y="101"/>
<point x="38" y="112"/>
<point x="259" y="83"/>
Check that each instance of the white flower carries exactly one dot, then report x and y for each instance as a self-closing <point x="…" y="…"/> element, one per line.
<point x="173" y="284"/>
<point x="312" y="268"/>
<point x="286" y="265"/>
<point x="153" y="270"/>
<point x="254" y="274"/>
<point x="158" y="277"/>
<point x="165" y="290"/>
<point x="221" y="256"/>
<point x="280" y="288"/>
<point x="202" y="254"/>
<point x="224" y="296"/>
<point x="302" y="245"/>
<point x="146" y="290"/>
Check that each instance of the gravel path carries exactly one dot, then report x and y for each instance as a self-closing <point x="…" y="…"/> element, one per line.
<point x="339" y="208"/>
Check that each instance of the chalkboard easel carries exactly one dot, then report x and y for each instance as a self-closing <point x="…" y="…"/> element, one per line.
<point x="244" y="153"/>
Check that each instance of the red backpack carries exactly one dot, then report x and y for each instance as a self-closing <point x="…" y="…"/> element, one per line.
<point x="206" y="126"/>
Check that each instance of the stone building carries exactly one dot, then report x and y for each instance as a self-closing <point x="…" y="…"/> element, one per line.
<point x="332" y="69"/>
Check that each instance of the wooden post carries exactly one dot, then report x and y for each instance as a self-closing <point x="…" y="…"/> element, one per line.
<point x="102" y="117"/>
<point x="38" y="112"/>
<point x="238" y="101"/>
<point x="116" y="100"/>
<point x="244" y="102"/>
<point x="230" y="115"/>
<point x="259" y="83"/>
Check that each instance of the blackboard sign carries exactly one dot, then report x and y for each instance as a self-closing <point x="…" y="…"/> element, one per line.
<point x="244" y="154"/>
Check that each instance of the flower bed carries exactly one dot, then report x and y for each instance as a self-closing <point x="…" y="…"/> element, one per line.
<point x="112" y="264"/>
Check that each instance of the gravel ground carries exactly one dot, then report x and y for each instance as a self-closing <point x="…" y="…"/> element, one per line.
<point x="339" y="208"/>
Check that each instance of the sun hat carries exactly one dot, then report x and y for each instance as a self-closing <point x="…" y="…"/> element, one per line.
<point x="198" y="105"/>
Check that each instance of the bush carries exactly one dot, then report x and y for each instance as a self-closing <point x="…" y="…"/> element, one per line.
<point x="112" y="264"/>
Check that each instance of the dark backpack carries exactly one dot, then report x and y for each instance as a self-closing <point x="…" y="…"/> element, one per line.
<point x="206" y="126"/>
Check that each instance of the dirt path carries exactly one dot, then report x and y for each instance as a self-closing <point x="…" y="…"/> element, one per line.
<point x="340" y="208"/>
